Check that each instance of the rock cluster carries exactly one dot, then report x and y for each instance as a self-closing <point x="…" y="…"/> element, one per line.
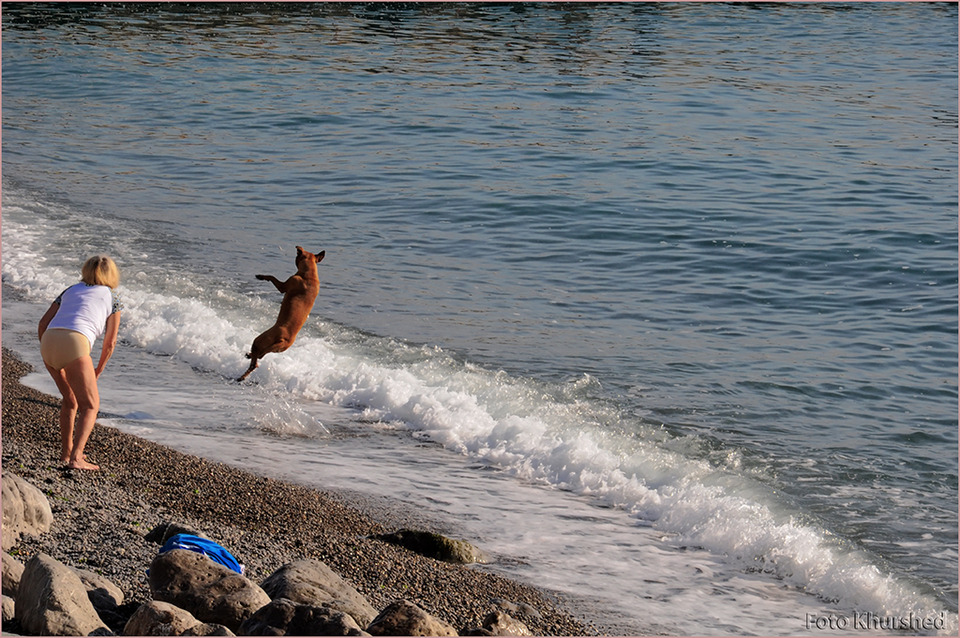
<point x="193" y="595"/>
<point x="102" y="522"/>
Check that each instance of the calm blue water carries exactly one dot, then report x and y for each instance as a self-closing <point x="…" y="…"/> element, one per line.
<point x="659" y="302"/>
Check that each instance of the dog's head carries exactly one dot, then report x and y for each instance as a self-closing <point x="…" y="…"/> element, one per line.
<point x="308" y="261"/>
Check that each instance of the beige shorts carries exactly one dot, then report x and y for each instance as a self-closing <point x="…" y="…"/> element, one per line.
<point x="59" y="346"/>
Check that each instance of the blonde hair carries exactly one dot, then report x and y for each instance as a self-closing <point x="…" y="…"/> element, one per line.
<point x="100" y="270"/>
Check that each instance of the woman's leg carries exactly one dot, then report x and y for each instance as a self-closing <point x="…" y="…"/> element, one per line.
<point x="82" y="380"/>
<point x="68" y="413"/>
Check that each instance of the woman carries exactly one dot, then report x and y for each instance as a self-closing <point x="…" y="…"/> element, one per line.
<point x="67" y="333"/>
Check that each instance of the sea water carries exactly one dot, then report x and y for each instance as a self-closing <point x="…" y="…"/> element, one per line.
<point x="656" y="303"/>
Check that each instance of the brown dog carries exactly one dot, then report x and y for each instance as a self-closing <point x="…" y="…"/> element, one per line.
<point x="299" y="293"/>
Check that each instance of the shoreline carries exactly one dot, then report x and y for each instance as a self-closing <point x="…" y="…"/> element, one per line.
<point x="101" y="519"/>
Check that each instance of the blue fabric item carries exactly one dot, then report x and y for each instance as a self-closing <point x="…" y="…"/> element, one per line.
<point x="204" y="546"/>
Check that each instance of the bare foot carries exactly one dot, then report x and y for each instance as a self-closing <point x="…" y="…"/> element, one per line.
<point x="82" y="464"/>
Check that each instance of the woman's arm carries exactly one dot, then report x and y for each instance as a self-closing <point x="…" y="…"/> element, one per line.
<point x="47" y="318"/>
<point x="109" y="341"/>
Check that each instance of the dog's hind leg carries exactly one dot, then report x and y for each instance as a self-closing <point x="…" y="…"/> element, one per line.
<point x="253" y="366"/>
<point x="260" y="347"/>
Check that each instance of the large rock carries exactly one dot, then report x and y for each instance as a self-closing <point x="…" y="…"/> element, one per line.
<point x="403" y="618"/>
<point x="208" y="590"/>
<point x="105" y="597"/>
<point x="53" y="601"/>
<point x="25" y="510"/>
<point x="101" y="592"/>
<point x="311" y="582"/>
<point x="163" y="619"/>
<point x="9" y="609"/>
<point x="500" y="623"/>
<point x="435" y="546"/>
<point x="283" y="617"/>
<point x="522" y="611"/>
<point x="12" y="573"/>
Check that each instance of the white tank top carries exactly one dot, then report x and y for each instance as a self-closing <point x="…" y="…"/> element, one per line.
<point x="85" y="309"/>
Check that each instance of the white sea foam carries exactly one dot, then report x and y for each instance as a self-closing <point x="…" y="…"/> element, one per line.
<point x="556" y="436"/>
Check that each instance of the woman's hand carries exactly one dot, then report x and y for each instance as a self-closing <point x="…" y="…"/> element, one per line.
<point x="109" y="341"/>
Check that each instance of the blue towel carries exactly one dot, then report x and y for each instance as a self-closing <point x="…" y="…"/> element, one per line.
<point x="204" y="546"/>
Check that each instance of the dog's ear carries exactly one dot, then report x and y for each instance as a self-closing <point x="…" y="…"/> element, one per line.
<point x="299" y="250"/>
<point x="320" y="255"/>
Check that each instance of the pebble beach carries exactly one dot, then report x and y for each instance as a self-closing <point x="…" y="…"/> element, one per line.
<point x="101" y="520"/>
